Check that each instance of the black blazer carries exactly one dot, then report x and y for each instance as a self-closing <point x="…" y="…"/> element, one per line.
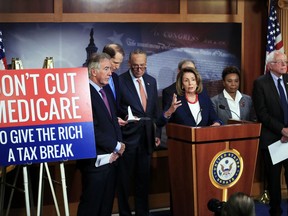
<point x="106" y="129"/>
<point x="142" y="132"/>
<point x="184" y="116"/>
<point x="268" y="108"/>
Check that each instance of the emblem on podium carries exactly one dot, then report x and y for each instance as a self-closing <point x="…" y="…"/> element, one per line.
<point x="226" y="168"/>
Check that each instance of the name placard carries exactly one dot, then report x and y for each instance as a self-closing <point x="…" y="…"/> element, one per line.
<point x="45" y="115"/>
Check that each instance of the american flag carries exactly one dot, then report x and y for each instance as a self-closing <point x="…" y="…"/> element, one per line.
<point x="274" y="38"/>
<point x="3" y="62"/>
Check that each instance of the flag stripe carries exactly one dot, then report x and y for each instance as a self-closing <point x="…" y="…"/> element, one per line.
<point x="3" y="62"/>
<point x="274" y="37"/>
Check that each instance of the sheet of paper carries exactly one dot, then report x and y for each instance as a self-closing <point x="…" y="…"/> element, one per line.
<point x="102" y="159"/>
<point x="278" y="151"/>
<point x="131" y="117"/>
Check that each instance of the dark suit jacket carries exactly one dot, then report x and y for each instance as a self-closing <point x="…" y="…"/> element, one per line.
<point x="106" y="129"/>
<point x="268" y="108"/>
<point x="109" y="91"/>
<point x="144" y="130"/>
<point x="167" y="95"/>
<point x="184" y="116"/>
<point x="246" y="108"/>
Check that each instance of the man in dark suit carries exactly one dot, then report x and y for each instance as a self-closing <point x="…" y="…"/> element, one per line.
<point x="139" y="91"/>
<point x="98" y="182"/>
<point x="167" y="93"/>
<point x="116" y="52"/>
<point x="272" y="113"/>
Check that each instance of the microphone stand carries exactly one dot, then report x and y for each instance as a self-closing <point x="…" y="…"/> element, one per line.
<point x="198" y="117"/>
<point x="221" y="106"/>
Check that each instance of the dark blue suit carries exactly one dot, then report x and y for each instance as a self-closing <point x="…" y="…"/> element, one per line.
<point x="270" y="113"/>
<point x="139" y="138"/>
<point x="98" y="183"/>
<point x="184" y="116"/>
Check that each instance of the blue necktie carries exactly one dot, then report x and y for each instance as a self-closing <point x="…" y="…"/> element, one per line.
<point x="283" y="101"/>
<point x="104" y="97"/>
<point x="112" y="86"/>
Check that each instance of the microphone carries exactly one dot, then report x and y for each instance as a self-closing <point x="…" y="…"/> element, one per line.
<point x="198" y="116"/>
<point x="221" y="106"/>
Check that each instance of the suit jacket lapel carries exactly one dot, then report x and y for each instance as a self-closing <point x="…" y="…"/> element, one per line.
<point x="223" y="101"/>
<point x="285" y="80"/>
<point x="149" y="92"/>
<point x="98" y="101"/>
<point x="132" y="89"/>
<point x="273" y="88"/>
<point x="187" y="110"/>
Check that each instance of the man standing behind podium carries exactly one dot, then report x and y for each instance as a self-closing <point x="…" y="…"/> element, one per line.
<point x="272" y="112"/>
<point x="139" y="91"/>
<point x="98" y="182"/>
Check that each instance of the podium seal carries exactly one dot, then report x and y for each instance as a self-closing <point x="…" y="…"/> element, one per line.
<point x="226" y="168"/>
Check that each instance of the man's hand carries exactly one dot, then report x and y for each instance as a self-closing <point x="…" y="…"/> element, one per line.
<point x="113" y="157"/>
<point x="121" y="122"/>
<point x="157" y="141"/>
<point x="284" y="139"/>
<point x="122" y="149"/>
<point x="285" y="132"/>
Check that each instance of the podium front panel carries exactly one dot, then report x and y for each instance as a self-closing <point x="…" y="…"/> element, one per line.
<point x="189" y="163"/>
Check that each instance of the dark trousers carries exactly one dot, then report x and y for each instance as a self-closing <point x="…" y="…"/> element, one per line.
<point x="98" y="191"/>
<point x="274" y="183"/>
<point x="134" y="166"/>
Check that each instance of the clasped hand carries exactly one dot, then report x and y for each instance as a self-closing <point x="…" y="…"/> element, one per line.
<point x="284" y="138"/>
<point x="116" y="155"/>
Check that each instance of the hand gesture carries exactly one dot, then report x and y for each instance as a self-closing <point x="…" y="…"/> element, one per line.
<point x="174" y="105"/>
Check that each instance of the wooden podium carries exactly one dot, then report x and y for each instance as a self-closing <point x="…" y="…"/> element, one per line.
<point x="190" y="152"/>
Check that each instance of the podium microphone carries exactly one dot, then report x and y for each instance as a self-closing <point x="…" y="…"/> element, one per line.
<point x="221" y="106"/>
<point x="198" y="116"/>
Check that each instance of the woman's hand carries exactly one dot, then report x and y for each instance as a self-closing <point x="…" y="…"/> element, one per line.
<point x="174" y="105"/>
<point x="215" y="124"/>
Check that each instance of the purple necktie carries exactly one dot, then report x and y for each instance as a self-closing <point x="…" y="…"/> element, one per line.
<point x="104" y="97"/>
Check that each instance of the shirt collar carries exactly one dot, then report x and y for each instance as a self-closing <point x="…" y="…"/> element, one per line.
<point x="228" y="96"/>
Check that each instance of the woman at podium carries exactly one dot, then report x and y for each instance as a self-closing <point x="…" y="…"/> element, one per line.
<point x="191" y="106"/>
<point x="230" y="103"/>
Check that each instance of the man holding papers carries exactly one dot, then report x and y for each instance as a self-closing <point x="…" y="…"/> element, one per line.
<point x="99" y="174"/>
<point x="270" y="102"/>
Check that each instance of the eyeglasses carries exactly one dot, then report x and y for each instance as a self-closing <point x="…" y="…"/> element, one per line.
<point x="280" y="62"/>
<point x="141" y="67"/>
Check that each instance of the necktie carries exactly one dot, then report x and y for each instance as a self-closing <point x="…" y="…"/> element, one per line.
<point x="142" y="94"/>
<point x="283" y="101"/>
<point x="112" y="86"/>
<point x="104" y="97"/>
